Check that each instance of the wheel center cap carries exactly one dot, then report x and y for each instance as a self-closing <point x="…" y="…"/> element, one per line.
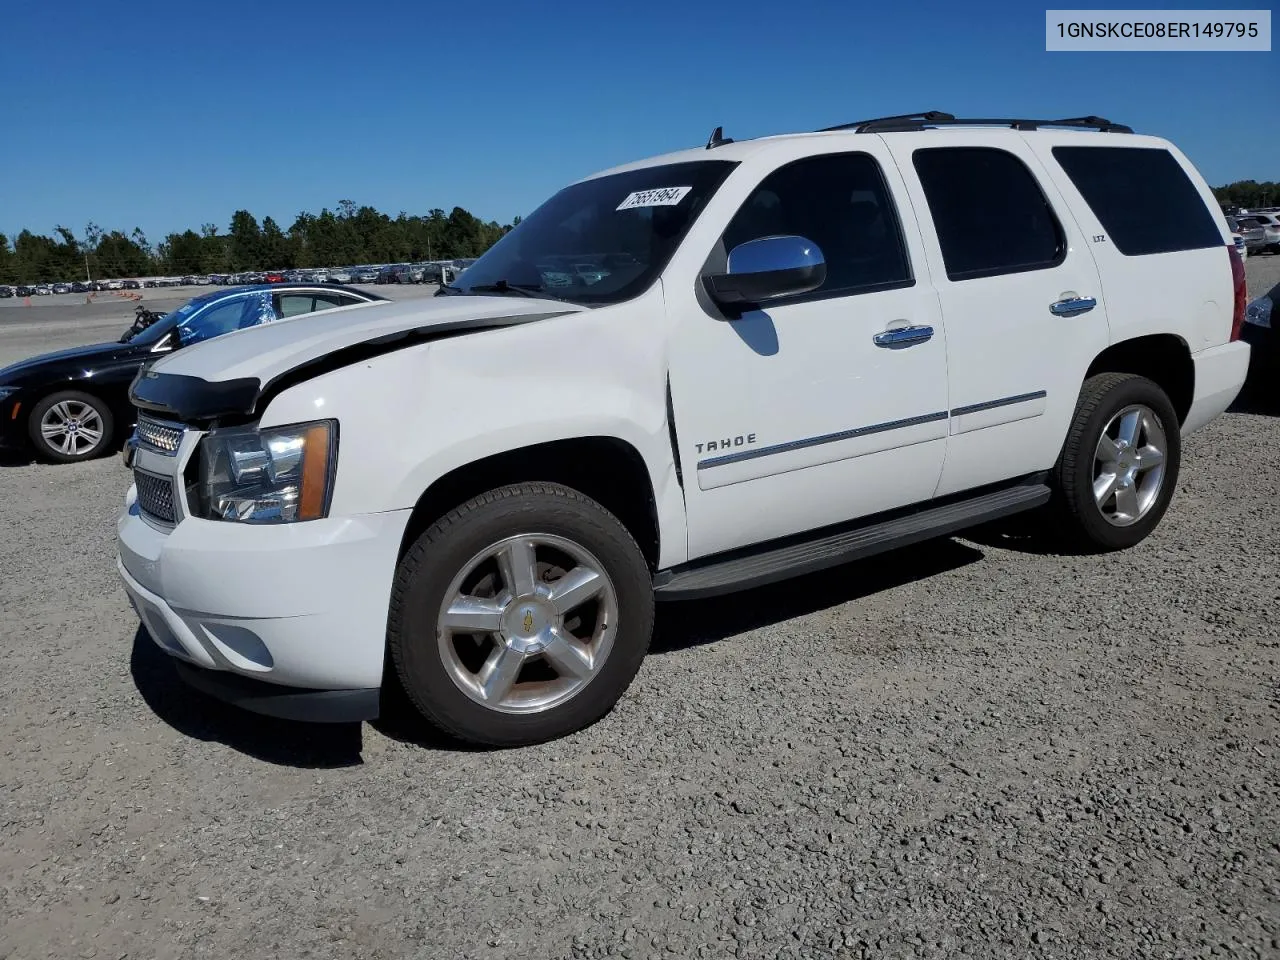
<point x="527" y="621"/>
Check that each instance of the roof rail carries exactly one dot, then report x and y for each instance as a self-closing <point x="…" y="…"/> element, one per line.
<point x="928" y="116"/>
<point x="922" y="121"/>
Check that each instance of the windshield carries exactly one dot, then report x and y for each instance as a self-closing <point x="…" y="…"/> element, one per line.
<point x="603" y="240"/>
<point x="157" y="330"/>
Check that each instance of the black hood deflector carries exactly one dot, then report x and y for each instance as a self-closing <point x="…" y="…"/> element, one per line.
<point x="188" y="399"/>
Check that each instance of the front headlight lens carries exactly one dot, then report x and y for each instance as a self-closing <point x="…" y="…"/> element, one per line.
<point x="1259" y="312"/>
<point x="277" y="475"/>
<point x="6" y="392"/>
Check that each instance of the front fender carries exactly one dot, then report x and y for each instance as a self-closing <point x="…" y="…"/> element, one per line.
<point x="409" y="417"/>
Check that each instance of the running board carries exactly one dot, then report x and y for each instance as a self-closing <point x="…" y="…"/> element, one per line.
<point x="769" y="564"/>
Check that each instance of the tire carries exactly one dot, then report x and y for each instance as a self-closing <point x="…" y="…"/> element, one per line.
<point x="442" y="669"/>
<point x="1106" y="403"/>
<point x="92" y="431"/>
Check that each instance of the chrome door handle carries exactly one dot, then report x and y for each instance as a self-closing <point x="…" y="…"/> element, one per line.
<point x="1072" y="306"/>
<point x="902" y="336"/>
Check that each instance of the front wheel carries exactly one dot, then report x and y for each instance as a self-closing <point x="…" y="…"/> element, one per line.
<point x="521" y="616"/>
<point x="70" y="426"/>
<point x="1119" y="466"/>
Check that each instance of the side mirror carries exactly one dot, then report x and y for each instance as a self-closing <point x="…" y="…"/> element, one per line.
<point x="766" y="269"/>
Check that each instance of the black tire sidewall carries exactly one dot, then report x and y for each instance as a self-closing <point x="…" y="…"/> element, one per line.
<point x="426" y="574"/>
<point x="57" y="456"/>
<point x="1090" y="524"/>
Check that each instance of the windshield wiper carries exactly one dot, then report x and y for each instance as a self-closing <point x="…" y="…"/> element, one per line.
<point x="503" y="286"/>
<point x="449" y="291"/>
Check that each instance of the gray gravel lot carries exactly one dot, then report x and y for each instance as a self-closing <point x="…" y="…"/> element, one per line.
<point x="970" y="748"/>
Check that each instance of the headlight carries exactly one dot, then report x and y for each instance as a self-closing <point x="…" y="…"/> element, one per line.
<point x="1258" y="313"/>
<point x="277" y="475"/>
<point x="7" y="392"/>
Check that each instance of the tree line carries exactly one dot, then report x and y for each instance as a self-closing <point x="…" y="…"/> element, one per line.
<point x="332" y="238"/>
<point x="1249" y="194"/>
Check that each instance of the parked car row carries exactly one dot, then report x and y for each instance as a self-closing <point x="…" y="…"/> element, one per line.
<point x="445" y="271"/>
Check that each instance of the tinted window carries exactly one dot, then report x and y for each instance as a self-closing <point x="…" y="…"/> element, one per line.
<point x="625" y="226"/>
<point x="989" y="212"/>
<point x="1142" y="197"/>
<point x="326" y="300"/>
<point x="840" y="202"/>
<point x="292" y="304"/>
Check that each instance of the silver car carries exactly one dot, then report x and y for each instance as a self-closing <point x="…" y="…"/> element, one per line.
<point x="1261" y="231"/>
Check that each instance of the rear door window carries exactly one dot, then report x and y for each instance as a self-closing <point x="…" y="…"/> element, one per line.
<point x="988" y="209"/>
<point x="1142" y="197"/>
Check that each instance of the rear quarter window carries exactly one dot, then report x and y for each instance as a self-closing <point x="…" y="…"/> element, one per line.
<point x="1142" y="197"/>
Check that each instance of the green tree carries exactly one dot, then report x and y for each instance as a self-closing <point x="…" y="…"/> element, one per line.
<point x="183" y="253"/>
<point x="8" y="262"/>
<point x="276" y="252"/>
<point x="118" y="256"/>
<point x="244" y="246"/>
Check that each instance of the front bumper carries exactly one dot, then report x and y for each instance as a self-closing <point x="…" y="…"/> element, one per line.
<point x="299" y="611"/>
<point x="13" y="420"/>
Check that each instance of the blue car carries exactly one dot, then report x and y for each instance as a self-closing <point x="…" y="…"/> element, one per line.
<point x="71" y="405"/>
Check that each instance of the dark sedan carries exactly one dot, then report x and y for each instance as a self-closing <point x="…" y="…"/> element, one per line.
<point x="71" y="405"/>
<point x="1261" y="320"/>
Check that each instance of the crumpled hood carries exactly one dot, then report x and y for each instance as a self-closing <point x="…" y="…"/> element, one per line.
<point x="236" y="375"/>
<point x="270" y="351"/>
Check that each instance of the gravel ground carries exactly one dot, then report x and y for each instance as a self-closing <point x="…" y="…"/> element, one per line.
<point x="970" y="748"/>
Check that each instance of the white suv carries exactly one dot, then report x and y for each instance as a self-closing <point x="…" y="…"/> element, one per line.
<point x="780" y="355"/>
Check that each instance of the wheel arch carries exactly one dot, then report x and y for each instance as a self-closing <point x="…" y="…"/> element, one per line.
<point x="607" y="469"/>
<point x="1163" y="358"/>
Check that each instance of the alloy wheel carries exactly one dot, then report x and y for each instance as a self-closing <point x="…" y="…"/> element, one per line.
<point x="72" y="428"/>
<point x="527" y="623"/>
<point x="1129" y="465"/>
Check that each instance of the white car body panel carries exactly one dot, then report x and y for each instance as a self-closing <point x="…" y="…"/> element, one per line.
<point x="987" y="398"/>
<point x="795" y="377"/>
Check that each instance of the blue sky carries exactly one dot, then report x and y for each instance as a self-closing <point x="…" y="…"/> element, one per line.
<point x="169" y="115"/>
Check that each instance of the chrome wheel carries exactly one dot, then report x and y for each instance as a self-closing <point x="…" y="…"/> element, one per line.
<point x="528" y="623"/>
<point x="72" y="428"/>
<point x="1129" y="465"/>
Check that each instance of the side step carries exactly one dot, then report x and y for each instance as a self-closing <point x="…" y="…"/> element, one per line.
<point x="771" y="563"/>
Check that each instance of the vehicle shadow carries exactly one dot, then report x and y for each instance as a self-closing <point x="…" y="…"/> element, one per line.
<point x="15" y="457"/>
<point x="194" y="714"/>
<point x="678" y="626"/>
<point x="1258" y="399"/>
<point x="690" y="623"/>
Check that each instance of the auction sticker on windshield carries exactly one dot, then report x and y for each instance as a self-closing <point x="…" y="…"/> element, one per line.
<point x="657" y="197"/>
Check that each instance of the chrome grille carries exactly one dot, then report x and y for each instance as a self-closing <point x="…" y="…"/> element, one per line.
<point x="159" y="435"/>
<point x="155" y="496"/>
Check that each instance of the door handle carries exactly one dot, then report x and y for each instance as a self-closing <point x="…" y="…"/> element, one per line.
<point x="1072" y="306"/>
<point x="902" y="337"/>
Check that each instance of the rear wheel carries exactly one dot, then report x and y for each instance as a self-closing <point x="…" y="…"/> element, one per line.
<point x="1119" y="465"/>
<point x="70" y="426"/>
<point x="521" y="616"/>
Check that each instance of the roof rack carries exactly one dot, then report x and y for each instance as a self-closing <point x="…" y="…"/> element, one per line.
<point x="916" y="119"/>
<point x="936" y="118"/>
